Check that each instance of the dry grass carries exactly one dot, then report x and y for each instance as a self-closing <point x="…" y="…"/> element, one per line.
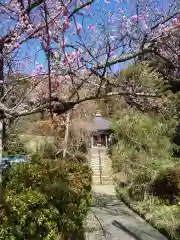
<point x="164" y="217"/>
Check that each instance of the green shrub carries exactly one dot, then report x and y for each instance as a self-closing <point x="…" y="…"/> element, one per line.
<point x="139" y="187"/>
<point x="14" y="146"/>
<point x="81" y="157"/>
<point x="167" y="184"/>
<point x="45" y="199"/>
<point x="48" y="150"/>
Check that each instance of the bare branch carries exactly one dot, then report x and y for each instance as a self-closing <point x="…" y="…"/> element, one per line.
<point x="125" y="58"/>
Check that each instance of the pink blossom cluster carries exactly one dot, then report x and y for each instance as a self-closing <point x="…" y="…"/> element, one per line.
<point x="66" y="23"/>
<point x="71" y="57"/>
<point x="94" y="30"/>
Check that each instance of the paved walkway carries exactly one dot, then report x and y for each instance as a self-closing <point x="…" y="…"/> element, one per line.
<point x="111" y="219"/>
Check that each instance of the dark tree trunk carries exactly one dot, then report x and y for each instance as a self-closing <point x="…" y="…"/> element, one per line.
<point x="2" y="130"/>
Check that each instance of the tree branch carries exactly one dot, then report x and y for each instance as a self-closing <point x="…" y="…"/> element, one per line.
<point x="81" y="7"/>
<point x="124" y="58"/>
<point x="59" y="107"/>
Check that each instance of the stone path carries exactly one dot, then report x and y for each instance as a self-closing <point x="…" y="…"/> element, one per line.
<point x="101" y="166"/>
<point x="111" y="219"/>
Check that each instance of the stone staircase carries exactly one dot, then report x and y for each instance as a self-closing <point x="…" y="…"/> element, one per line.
<point x="101" y="166"/>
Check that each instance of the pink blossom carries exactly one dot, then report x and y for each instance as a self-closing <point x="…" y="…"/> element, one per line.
<point x="16" y="45"/>
<point x="134" y="18"/>
<point x="46" y="47"/>
<point x="66" y="23"/>
<point x="112" y="54"/>
<point x="68" y="58"/>
<point x="65" y="60"/>
<point x="73" y="55"/>
<point x="175" y="21"/>
<point x="87" y="7"/>
<point x="145" y="25"/>
<point x="65" y="12"/>
<point x="79" y="27"/>
<point x="91" y="27"/>
<point x="141" y="17"/>
<point x="68" y="78"/>
<point x="56" y="56"/>
<point x="79" y="52"/>
<point x="63" y="43"/>
<point x="124" y="18"/>
<point x="106" y="2"/>
<point x="57" y="84"/>
<point x="39" y="68"/>
<point x="33" y="73"/>
<point x="121" y="10"/>
<point x="156" y="10"/>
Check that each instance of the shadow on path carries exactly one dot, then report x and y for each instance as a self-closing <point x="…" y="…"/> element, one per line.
<point x="118" y="221"/>
<point x="120" y="226"/>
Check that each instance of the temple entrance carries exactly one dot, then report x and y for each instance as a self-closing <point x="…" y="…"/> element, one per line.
<point x="101" y="132"/>
<point x="99" y="140"/>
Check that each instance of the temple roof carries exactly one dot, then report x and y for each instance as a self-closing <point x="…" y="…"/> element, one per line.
<point x="100" y="123"/>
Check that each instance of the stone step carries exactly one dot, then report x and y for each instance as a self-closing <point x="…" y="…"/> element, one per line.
<point x="105" y="178"/>
<point x="102" y="178"/>
<point x="101" y="174"/>
<point x="103" y="182"/>
<point x="104" y="173"/>
<point x="103" y="164"/>
<point x="102" y="168"/>
<point x="97" y="161"/>
<point x="97" y="157"/>
<point x="97" y="168"/>
<point x="95" y="164"/>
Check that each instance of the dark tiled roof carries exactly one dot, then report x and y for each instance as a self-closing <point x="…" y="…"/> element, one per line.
<point x="100" y="123"/>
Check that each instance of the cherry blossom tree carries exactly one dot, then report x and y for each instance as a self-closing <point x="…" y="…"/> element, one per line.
<point x="80" y="42"/>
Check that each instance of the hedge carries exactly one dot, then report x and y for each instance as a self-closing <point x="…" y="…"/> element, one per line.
<point x="45" y="199"/>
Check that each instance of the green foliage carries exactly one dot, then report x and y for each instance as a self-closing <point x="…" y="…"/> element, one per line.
<point x="45" y="199"/>
<point x="143" y="155"/>
<point x="146" y="172"/>
<point x="144" y="75"/>
<point x="48" y="150"/>
<point x="81" y="157"/>
<point x="142" y="143"/>
<point x="167" y="184"/>
<point x="139" y="77"/>
<point x="139" y="186"/>
<point x="14" y="146"/>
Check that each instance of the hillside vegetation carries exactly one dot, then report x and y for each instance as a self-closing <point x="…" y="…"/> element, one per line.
<point x="146" y="170"/>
